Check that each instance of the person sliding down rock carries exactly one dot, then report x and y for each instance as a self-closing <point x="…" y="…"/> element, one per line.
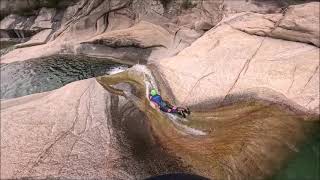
<point x="164" y="106"/>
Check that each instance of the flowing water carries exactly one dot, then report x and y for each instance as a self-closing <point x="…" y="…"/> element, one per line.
<point x="305" y="164"/>
<point x="6" y="46"/>
<point x="245" y="140"/>
<point x="49" y="73"/>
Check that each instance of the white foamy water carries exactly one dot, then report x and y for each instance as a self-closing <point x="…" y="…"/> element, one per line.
<point x="184" y="128"/>
<point x="149" y="80"/>
<point x="118" y="69"/>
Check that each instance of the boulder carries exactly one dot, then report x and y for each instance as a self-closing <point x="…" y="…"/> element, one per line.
<point x="121" y="19"/>
<point x="79" y="131"/>
<point x="44" y="19"/>
<point x="30" y="6"/>
<point x="13" y="6"/>
<point x="188" y="35"/>
<point x="83" y="20"/>
<point x="21" y="28"/>
<point x="76" y="29"/>
<point x="70" y="12"/>
<point x="258" y="6"/>
<point x="16" y="22"/>
<point x="142" y="35"/>
<point x="29" y="52"/>
<point x="40" y="38"/>
<point x="15" y="26"/>
<point x="46" y="140"/>
<point x="99" y="28"/>
<point x="103" y="28"/>
<point x="202" y="25"/>
<point x="187" y="20"/>
<point x="140" y="43"/>
<point x="227" y="65"/>
<point x="298" y="23"/>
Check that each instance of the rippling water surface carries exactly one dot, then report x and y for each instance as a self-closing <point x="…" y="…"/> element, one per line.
<point x="45" y="74"/>
<point x="305" y="165"/>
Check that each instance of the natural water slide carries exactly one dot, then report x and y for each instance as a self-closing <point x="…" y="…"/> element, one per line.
<point x="242" y="140"/>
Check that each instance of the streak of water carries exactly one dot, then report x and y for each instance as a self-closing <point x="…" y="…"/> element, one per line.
<point x="245" y="140"/>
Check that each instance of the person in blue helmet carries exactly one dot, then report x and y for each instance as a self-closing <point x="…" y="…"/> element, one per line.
<point x="165" y="106"/>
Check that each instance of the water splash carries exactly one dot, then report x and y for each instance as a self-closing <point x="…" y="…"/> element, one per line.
<point x="116" y="70"/>
<point x="184" y="128"/>
<point x="149" y="79"/>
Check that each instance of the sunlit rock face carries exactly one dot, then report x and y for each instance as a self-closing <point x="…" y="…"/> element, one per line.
<point x="79" y="131"/>
<point x="83" y="131"/>
<point x="297" y="23"/>
<point x="67" y="27"/>
<point x="46" y="139"/>
<point x="249" y="139"/>
<point x="248" y="70"/>
<point x="229" y="62"/>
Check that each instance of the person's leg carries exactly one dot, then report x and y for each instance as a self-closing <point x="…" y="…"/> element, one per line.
<point x="168" y="104"/>
<point x="177" y="111"/>
<point x="185" y="110"/>
<point x="164" y="109"/>
<point x="174" y="110"/>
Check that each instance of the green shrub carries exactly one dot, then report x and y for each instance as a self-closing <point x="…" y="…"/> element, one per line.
<point x="51" y="3"/>
<point x="285" y="3"/>
<point x="187" y="4"/>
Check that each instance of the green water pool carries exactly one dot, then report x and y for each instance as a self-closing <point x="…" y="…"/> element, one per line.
<point x="305" y="165"/>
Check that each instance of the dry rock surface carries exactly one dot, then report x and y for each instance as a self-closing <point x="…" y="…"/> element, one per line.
<point x="297" y="23"/>
<point x="208" y="53"/>
<point x="21" y="27"/>
<point x="39" y="138"/>
<point x="182" y="22"/>
<point x="140" y="42"/>
<point x="261" y="66"/>
<point x="77" y="132"/>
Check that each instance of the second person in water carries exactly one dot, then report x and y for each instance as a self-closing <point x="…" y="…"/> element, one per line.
<point x="164" y="106"/>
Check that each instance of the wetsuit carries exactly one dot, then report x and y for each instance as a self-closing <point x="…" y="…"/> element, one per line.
<point x="162" y="104"/>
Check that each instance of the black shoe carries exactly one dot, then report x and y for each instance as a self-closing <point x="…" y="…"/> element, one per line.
<point x="187" y="110"/>
<point x="182" y="114"/>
